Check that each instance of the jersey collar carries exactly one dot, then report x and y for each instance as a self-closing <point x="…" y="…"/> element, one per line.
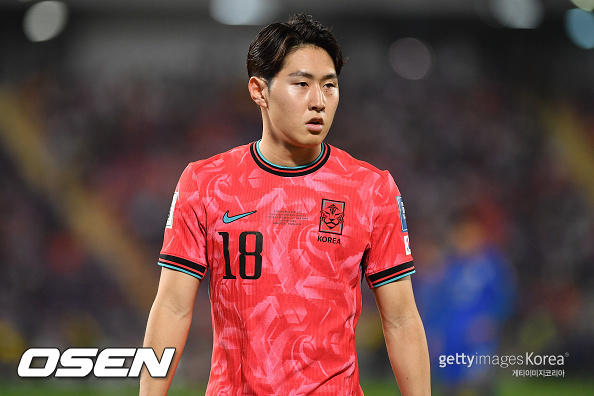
<point x="289" y="171"/>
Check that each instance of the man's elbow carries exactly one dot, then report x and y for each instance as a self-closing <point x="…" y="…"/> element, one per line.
<point x="402" y="323"/>
<point x="172" y="308"/>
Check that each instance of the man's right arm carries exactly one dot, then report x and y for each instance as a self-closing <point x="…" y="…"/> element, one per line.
<point x="168" y="324"/>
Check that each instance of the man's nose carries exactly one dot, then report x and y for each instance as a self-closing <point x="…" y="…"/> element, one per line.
<point x="316" y="99"/>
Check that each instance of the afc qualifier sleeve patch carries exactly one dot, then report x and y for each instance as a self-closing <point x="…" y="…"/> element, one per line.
<point x="402" y="214"/>
<point x="171" y="209"/>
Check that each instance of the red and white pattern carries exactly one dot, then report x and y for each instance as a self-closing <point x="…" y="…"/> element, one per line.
<point x="285" y="285"/>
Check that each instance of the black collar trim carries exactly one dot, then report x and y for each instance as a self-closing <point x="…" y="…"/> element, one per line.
<point x="290" y="171"/>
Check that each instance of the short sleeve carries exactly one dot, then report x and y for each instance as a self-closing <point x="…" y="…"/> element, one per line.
<point x="184" y="242"/>
<point x="389" y="257"/>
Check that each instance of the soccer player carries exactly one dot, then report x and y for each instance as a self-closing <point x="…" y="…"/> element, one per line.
<point x="286" y="228"/>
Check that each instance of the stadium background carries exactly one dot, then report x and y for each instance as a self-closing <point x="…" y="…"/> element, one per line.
<point x="481" y="109"/>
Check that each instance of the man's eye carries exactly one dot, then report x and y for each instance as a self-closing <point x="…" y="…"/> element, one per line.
<point x="302" y="84"/>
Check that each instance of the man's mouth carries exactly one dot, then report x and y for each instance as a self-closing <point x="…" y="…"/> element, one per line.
<point x="315" y="124"/>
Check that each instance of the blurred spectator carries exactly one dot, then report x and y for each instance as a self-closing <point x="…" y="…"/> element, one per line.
<point x="465" y="298"/>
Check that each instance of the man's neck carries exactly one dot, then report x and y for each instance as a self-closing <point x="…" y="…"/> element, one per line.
<point x="284" y="154"/>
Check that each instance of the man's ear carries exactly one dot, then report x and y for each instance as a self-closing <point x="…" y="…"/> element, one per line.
<point x="258" y="88"/>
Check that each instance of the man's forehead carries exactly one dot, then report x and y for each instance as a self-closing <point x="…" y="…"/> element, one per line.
<point x="308" y="59"/>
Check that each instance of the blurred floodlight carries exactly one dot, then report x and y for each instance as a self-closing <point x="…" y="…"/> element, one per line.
<point x="45" y="20"/>
<point x="411" y="58"/>
<point x="243" y="12"/>
<point x="517" y="14"/>
<point x="587" y="5"/>
<point x="580" y="27"/>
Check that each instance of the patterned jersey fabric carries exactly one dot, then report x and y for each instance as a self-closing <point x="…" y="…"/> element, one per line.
<point x="286" y="250"/>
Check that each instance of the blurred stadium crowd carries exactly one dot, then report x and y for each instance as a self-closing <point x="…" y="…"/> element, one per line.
<point x="476" y="157"/>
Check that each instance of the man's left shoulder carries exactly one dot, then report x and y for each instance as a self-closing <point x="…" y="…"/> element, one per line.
<point x="352" y="164"/>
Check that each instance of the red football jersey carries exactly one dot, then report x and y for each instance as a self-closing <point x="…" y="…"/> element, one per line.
<point x="286" y="249"/>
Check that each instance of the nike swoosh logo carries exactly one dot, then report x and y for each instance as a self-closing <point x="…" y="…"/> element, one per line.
<point x="230" y="219"/>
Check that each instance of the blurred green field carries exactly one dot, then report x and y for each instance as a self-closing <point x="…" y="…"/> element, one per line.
<point x="507" y="387"/>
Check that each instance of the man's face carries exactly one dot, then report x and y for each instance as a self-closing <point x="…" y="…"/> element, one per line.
<point x="302" y="98"/>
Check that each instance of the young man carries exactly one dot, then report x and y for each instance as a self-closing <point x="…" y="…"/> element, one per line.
<point x="286" y="227"/>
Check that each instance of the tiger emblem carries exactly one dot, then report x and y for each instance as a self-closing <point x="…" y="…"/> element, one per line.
<point x="332" y="216"/>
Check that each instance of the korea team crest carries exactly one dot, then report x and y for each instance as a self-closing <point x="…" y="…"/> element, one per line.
<point x="332" y="216"/>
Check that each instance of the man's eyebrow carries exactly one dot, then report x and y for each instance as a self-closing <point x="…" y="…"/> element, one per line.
<point x="302" y="73"/>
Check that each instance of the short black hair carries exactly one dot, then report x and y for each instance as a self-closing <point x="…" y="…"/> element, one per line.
<point x="276" y="41"/>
